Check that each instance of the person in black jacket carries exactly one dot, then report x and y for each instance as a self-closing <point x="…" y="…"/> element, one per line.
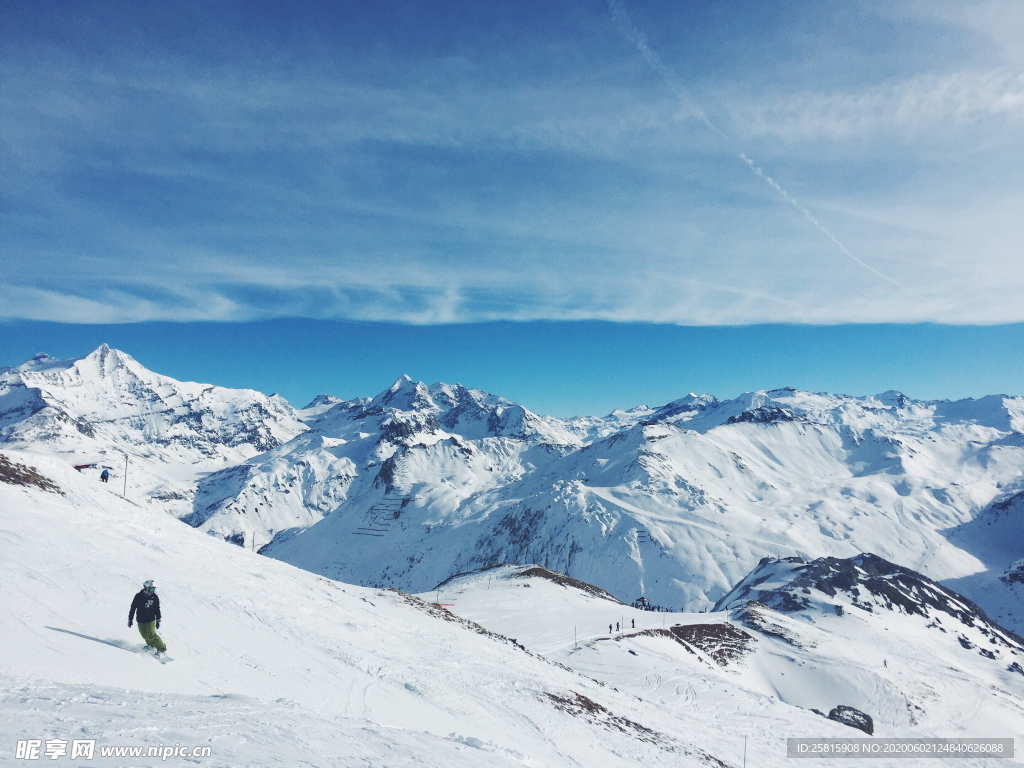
<point x="146" y="608"/>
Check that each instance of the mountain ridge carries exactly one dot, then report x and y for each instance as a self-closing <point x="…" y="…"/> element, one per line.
<point x="673" y="502"/>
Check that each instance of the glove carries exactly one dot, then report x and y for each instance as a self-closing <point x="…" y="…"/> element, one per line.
<point x="129" y="623"/>
<point x="158" y="623"/>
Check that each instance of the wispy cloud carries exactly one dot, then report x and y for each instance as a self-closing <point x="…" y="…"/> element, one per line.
<point x="998" y="24"/>
<point x="621" y="18"/>
<point x="904" y="109"/>
<point x="568" y="184"/>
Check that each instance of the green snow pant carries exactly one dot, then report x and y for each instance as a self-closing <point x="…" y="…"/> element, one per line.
<point x="148" y="631"/>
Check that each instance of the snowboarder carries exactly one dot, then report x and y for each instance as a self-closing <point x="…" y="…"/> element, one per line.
<point x="616" y="626"/>
<point x="105" y="475"/>
<point x="634" y="623"/>
<point x="146" y="607"/>
<point x="609" y="629"/>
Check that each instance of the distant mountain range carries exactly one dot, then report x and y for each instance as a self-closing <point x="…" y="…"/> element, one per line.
<point x="675" y="503"/>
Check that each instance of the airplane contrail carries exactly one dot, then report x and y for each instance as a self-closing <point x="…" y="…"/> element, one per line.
<point x="625" y="24"/>
<point x="629" y="30"/>
<point x="812" y="218"/>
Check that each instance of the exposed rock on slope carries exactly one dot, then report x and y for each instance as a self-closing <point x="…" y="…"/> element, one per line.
<point x="885" y="671"/>
<point x="14" y="473"/>
<point x="870" y="584"/>
<point x="852" y="717"/>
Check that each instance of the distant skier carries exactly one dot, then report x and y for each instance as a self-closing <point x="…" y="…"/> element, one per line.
<point x="616" y="626"/>
<point x="105" y="475"/>
<point x="609" y="629"/>
<point x="634" y="623"/>
<point x="146" y="607"/>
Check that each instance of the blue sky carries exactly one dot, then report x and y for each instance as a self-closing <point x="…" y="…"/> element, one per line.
<point x="555" y="367"/>
<point x="453" y="163"/>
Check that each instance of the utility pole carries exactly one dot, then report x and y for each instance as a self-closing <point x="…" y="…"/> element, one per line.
<point x="125" y="492"/>
<point x="744" y="752"/>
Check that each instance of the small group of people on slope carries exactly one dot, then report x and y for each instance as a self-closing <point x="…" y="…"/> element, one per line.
<point x="632" y="621"/>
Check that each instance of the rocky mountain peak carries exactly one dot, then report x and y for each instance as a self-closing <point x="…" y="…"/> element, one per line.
<point x="893" y="398"/>
<point x="865" y="582"/>
<point x="322" y="400"/>
<point x="684" y="407"/>
<point x="405" y="394"/>
<point x="106" y="361"/>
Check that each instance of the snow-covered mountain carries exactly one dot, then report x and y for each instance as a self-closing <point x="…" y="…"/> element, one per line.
<point x="512" y="666"/>
<point x="102" y="407"/>
<point x="462" y="440"/>
<point x="867" y="583"/>
<point x="675" y="502"/>
<point x="875" y="646"/>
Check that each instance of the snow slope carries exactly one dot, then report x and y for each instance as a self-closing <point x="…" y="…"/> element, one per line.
<point x="759" y="671"/>
<point x="272" y="665"/>
<point x="277" y="666"/>
<point x="996" y="536"/>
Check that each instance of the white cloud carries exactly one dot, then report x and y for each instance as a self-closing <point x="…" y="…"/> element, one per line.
<point x="931" y="106"/>
<point x="97" y="304"/>
<point x="999" y="24"/>
<point x="662" y="224"/>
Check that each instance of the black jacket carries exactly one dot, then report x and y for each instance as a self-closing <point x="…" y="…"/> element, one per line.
<point x="147" y="606"/>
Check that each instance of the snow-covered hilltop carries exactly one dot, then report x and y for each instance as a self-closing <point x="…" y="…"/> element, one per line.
<point x="861" y="641"/>
<point x="675" y="503"/>
<point x="867" y="583"/>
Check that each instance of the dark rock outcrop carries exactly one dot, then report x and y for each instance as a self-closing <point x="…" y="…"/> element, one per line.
<point x="769" y="414"/>
<point x="13" y="473"/>
<point x="1014" y="574"/>
<point x="724" y="643"/>
<point x="867" y="582"/>
<point x="853" y="718"/>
